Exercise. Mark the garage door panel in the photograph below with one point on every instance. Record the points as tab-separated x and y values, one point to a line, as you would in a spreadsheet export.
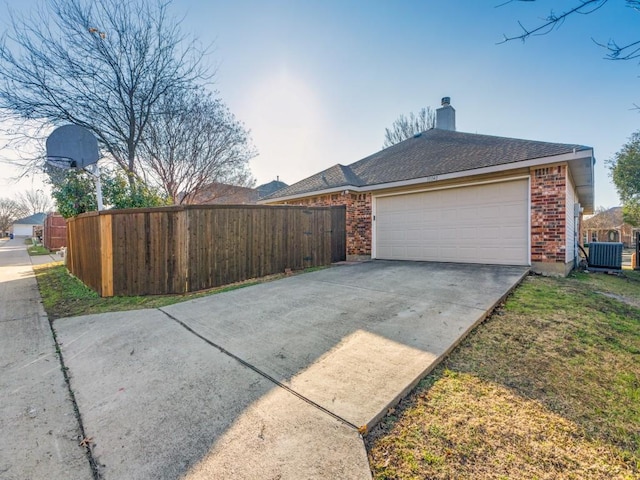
398	237
488	235
511	233
399	252
385	238
468	241
448	235
478	224
431	216
414	251
467	253
490	253
506	256
511	211
467	214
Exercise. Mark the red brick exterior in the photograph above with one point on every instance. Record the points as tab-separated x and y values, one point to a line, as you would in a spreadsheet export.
358	217
548	214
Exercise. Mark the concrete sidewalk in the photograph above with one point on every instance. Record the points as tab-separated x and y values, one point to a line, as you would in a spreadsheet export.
38	428
270	381
44	259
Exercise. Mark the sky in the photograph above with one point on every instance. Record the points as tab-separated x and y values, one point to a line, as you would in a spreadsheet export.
317	82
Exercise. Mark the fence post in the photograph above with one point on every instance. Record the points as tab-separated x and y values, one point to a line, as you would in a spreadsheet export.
68	258
106	255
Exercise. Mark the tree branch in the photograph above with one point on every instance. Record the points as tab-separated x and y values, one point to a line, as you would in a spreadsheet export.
553	21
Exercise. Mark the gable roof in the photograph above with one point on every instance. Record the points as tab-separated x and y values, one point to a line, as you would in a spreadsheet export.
35	219
224	194
430	153
267	189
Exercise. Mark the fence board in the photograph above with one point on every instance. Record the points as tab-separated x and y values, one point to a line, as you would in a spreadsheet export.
183	249
83	238
54	232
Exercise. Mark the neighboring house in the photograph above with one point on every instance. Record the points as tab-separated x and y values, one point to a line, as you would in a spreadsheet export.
270	188
450	196
29	226
608	226
220	193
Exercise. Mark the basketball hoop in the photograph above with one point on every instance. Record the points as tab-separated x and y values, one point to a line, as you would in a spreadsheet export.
73	146
61	162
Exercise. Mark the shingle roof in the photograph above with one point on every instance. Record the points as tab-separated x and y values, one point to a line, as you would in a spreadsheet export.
36	219
434	152
224	194
267	189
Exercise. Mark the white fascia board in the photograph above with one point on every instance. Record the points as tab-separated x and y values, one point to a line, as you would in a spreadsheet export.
315	193
567	157
426	188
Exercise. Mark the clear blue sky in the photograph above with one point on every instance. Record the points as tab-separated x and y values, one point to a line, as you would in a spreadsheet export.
317	82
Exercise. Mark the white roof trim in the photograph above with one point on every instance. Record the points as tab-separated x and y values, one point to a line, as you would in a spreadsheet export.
456	185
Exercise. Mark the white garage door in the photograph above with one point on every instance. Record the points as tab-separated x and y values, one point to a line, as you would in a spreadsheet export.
476	224
22	230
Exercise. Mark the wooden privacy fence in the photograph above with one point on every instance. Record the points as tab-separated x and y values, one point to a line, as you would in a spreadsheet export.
54	232
183	249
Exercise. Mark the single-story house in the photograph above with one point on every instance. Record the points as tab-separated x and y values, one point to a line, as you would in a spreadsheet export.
450	196
29	226
608	226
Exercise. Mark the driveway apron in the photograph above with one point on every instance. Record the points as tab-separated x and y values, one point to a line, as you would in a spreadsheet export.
274	380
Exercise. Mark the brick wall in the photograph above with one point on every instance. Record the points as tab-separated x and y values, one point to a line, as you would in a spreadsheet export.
548	214
358	217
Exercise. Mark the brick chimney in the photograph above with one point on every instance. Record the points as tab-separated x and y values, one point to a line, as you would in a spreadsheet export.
446	115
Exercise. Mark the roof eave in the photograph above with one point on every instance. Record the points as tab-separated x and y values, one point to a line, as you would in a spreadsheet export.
582	172
312	193
587	190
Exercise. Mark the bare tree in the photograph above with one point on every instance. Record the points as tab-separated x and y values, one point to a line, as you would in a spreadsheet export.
10	211
101	64
195	142
406	127
604	219
35	201
554	20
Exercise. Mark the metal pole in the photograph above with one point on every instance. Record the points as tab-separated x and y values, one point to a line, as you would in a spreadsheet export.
96	174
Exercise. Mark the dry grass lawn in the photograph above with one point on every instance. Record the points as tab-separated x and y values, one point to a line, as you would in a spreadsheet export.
63	295
547	388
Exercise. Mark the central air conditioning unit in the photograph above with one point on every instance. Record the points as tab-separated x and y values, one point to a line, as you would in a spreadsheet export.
605	256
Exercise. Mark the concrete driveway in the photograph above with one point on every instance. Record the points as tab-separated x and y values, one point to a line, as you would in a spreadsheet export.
270	381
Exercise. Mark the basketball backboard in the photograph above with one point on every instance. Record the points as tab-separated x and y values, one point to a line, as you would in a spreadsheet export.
72	146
